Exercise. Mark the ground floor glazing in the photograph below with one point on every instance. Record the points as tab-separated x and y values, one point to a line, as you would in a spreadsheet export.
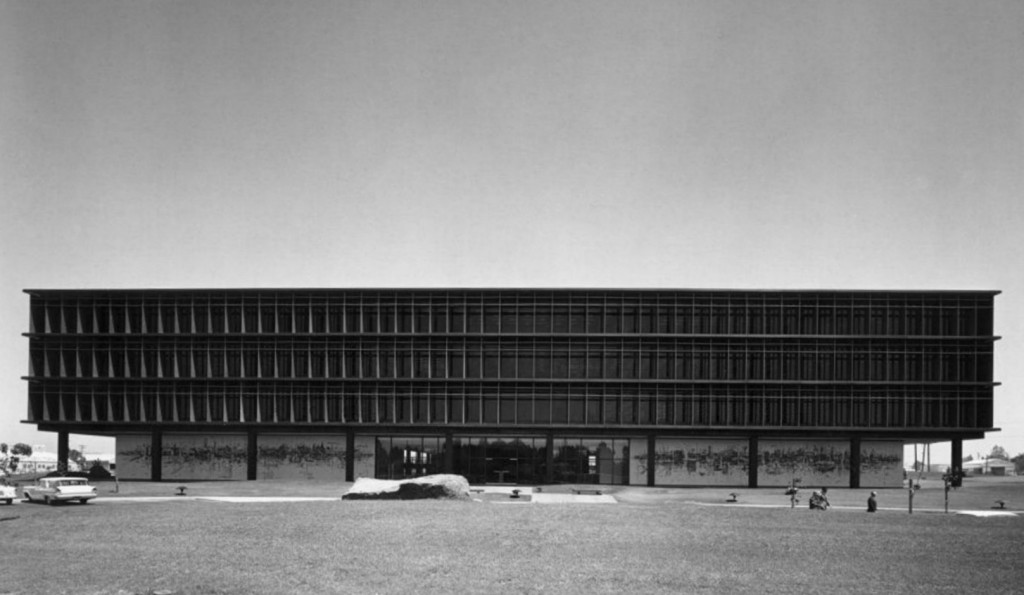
505	459
519	459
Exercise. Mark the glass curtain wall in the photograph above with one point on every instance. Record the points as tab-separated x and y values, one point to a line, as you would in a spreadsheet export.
402	457
591	461
500	460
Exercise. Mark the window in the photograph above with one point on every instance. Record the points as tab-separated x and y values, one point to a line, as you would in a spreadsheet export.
508	320
458	320
268	317
508	364
319	320
234	319
301	318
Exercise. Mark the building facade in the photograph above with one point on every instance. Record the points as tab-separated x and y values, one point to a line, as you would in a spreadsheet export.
642	387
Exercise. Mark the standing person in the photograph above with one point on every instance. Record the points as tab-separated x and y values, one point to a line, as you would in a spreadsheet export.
872	503
819	499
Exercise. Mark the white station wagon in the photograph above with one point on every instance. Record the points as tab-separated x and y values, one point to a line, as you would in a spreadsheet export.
56	489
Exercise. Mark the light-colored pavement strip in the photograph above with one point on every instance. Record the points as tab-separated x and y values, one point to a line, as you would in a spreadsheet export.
534	497
573	499
979	513
241	499
987	513
246	499
105	500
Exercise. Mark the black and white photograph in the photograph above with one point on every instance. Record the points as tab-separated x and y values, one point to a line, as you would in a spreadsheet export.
490	296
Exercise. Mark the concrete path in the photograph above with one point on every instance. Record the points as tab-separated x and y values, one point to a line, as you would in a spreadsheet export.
978	513
242	499
534	497
573	499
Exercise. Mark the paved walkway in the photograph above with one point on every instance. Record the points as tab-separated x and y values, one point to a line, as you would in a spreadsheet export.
540	497
214	499
534	497
574	499
978	513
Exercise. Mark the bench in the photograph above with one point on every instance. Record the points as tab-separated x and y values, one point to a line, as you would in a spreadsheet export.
581	491
181	490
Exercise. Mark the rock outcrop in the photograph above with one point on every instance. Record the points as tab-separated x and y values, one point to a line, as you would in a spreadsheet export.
441	487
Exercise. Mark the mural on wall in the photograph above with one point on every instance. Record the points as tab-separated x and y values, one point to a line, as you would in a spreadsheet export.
185	456
195	457
302	457
817	463
364	466
881	464
204	457
697	462
133	456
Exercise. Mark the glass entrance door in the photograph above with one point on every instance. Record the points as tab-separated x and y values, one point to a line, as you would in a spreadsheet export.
500	459
503	470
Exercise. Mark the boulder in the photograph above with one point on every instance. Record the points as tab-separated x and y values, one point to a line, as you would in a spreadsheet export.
442	487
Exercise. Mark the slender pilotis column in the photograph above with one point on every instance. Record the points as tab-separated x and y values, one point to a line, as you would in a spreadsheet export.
63	451
156	456
350	455
854	463
651	442
252	455
752	457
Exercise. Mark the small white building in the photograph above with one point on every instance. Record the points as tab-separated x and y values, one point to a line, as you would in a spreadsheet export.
41	461
989	467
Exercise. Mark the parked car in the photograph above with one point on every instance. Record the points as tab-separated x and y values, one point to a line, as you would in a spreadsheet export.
8	493
55	489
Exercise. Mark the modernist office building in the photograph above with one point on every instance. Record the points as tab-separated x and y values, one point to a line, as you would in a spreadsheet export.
647	387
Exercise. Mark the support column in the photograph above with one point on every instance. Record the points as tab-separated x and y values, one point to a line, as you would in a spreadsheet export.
63	451
251	456
350	455
156	460
752	460
650	460
854	463
956	461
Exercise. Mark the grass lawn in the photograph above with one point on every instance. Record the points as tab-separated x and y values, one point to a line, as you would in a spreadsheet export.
653	541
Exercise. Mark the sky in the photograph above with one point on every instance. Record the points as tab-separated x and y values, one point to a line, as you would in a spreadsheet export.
694	144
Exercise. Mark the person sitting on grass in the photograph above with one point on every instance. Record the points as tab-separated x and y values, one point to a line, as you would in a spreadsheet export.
819	499
872	503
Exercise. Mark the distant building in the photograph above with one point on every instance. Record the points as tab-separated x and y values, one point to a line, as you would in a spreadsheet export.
41	462
989	467
612	386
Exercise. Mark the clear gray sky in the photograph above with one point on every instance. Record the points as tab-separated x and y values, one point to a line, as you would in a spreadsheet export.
703	143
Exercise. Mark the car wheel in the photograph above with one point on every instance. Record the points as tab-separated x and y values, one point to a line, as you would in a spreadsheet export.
83	501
